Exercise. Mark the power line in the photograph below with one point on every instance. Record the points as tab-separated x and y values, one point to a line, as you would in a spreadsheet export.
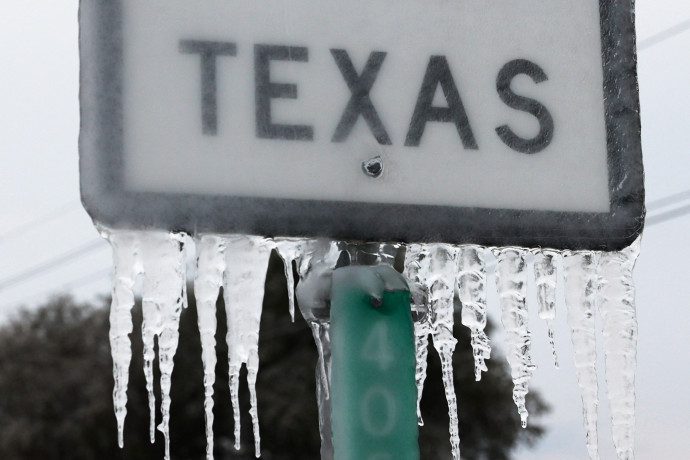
52	263
88	279
84	280
74	284
668	215
668	200
37	222
663	36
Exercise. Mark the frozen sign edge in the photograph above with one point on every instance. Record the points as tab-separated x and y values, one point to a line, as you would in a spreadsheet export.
109	204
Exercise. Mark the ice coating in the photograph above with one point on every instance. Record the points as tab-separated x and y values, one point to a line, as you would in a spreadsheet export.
471	288
246	261
315	268
375	280
434	271
545	279
619	324
372	253
581	285
209	279
511	282
127	266
434	267
163	297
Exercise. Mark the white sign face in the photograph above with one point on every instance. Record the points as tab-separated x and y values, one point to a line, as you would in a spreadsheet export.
477	104
294	55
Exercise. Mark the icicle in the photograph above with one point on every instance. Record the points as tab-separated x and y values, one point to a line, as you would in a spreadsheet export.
511	281
545	277
430	270
471	283
421	332
246	261
617	308
315	267
580	298
127	267
322	338
209	278
164	297
150	326
416	269
321	331
289	250
441	285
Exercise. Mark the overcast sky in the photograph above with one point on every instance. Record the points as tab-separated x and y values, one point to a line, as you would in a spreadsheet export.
42	222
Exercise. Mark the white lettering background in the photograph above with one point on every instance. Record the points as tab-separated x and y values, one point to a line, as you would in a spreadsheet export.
165	150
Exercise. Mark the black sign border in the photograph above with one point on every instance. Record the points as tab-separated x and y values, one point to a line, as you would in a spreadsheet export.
110	205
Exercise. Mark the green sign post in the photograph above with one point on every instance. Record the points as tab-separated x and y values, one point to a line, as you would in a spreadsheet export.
373	392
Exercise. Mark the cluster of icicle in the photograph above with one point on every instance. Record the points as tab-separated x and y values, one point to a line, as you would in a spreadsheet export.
603	281
238	264
160	259
437	274
594	281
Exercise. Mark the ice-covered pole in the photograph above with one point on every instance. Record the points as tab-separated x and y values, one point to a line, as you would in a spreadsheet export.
315	267
373	382
316	260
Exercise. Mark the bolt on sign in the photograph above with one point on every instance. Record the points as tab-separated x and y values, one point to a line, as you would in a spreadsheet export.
511	122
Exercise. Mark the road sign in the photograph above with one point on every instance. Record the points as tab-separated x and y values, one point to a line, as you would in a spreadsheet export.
511	122
373	390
